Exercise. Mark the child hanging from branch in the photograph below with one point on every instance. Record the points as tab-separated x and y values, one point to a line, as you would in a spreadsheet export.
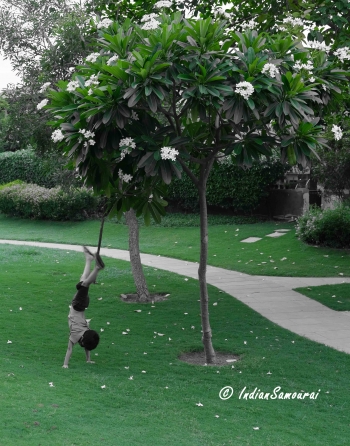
78	325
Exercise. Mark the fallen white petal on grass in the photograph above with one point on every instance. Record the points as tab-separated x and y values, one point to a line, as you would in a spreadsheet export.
131	377
160	334
102	329
143	371
103	387
51	385
199	404
193	327
256	428
126	367
20	308
244	342
186	279
124	333
169	339
100	298
341	274
9	342
137	311
216	416
127	329
231	360
108	323
185	313
283	258
268	373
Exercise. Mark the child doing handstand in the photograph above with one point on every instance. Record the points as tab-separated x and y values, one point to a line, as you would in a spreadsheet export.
78	325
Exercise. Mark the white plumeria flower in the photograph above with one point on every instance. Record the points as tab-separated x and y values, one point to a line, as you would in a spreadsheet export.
342	54
152	24
103	387
51	385
245	89
163	4
57	135
72	86
104	23
131	377
93	80
92	57
314	44
338	133
112	59
44	87
199	404
129	142
86	133
252	24
90	92
168	153
148	17
9	342
42	104
270	69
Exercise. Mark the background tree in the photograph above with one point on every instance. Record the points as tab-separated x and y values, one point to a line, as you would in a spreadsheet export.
220	94
332	169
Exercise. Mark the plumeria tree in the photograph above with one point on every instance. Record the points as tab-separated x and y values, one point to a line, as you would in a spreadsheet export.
172	95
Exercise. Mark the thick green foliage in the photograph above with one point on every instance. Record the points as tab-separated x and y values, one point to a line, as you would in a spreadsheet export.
26	166
326	228
230	187
32	201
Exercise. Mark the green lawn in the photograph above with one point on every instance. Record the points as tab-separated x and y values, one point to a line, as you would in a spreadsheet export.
225	250
336	297
158	407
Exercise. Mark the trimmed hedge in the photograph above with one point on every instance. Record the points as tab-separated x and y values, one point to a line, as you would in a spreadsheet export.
36	202
24	165
230	187
330	227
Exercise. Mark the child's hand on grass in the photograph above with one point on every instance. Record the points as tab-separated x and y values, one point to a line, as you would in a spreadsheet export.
64	366
90	362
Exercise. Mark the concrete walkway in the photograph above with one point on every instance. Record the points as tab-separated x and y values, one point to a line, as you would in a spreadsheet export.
272	297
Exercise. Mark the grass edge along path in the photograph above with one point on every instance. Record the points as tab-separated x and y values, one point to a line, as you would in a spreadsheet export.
335	296
172	403
283	256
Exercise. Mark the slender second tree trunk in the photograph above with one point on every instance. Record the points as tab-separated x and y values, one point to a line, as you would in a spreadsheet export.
135	258
202	270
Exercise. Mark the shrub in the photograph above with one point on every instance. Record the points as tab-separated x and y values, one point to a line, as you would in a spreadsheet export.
230	187
26	166
33	201
330	227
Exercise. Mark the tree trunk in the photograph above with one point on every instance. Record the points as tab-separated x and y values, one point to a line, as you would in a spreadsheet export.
135	259
202	270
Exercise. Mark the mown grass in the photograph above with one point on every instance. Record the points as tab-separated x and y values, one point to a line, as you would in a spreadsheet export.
225	248
336	297
158	407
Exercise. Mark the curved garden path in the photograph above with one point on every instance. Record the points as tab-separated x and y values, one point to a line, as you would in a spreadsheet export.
272	297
